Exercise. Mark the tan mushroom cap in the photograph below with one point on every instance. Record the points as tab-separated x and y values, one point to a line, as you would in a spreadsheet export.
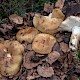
57	13
43	43
46	24
27	34
10	57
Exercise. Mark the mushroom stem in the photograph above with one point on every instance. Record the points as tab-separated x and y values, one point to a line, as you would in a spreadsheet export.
8	55
72	24
74	41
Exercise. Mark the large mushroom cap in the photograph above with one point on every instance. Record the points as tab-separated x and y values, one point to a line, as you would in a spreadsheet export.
10	57
27	34
49	24
43	43
46	24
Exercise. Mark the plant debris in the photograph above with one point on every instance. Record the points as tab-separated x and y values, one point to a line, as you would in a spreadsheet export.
45	71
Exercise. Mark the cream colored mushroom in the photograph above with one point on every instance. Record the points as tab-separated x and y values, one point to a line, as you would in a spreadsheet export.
48	24
69	23
75	38
72	24
43	43
27	34
10	57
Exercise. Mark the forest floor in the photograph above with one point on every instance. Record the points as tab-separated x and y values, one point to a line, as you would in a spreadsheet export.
66	67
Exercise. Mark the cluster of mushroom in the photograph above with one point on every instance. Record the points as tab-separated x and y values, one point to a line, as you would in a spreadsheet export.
42	43
41	35
54	23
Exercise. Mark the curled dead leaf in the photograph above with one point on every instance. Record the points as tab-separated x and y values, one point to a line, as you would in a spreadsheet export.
52	57
27	62
45	71
16	19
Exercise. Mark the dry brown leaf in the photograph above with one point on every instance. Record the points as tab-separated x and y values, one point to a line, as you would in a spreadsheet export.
60	4
16	19
52	57
27	60
74	77
64	47
29	47
48	8
5	27
45	71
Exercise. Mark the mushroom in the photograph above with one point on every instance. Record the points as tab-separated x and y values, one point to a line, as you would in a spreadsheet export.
43	43
26	34
10	57
69	23
72	24
75	37
16	19
57	13
48	24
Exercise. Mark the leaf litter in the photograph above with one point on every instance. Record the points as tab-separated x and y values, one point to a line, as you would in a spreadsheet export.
64	67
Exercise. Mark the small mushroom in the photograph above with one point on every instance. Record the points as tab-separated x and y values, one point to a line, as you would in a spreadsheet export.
48	24
16	19
26	34
10	57
43	43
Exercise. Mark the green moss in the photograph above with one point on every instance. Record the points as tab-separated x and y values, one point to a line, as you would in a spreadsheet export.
19	7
